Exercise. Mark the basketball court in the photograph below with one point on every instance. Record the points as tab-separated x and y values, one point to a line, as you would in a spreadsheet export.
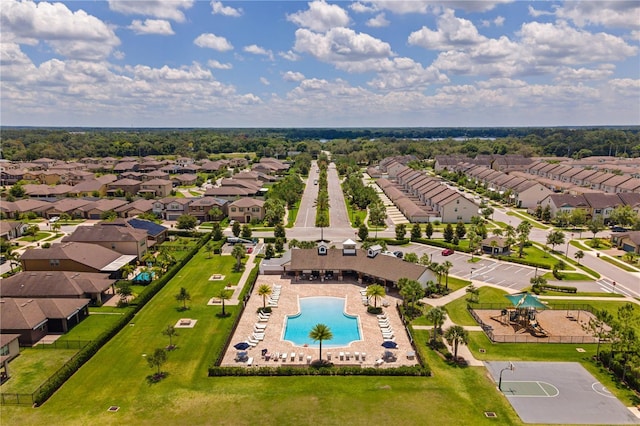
558	393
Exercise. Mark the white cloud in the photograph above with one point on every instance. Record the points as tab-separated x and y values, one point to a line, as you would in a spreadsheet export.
219	9
257	50
157	8
405	74
151	26
378	21
499	21
264	81
424	6
340	45
561	44
360	7
626	87
75	35
320	16
213	41
212	63
292	76
452	32
623	14
567	74
289	55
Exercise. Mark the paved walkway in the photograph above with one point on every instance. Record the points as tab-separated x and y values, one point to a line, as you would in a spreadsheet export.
248	267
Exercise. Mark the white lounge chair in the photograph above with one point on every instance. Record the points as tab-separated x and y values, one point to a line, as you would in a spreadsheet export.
284	356
260	319
341	356
250	361
379	362
383	316
261	326
308	359
300	356
329	356
364	356
293	356
347	355
356	356
252	342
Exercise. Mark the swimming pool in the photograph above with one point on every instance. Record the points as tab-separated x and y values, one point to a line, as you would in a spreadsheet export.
144	277
326	310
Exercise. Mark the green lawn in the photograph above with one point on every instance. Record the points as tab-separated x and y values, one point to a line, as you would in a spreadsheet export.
568	276
619	264
92	326
527	217
39	236
32	368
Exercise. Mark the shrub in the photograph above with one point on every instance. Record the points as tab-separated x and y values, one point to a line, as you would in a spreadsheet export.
376	310
320	371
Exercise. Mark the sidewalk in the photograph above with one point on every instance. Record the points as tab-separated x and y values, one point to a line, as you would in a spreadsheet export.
248	267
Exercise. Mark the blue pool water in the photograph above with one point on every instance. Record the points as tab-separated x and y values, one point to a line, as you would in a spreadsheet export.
144	277
326	310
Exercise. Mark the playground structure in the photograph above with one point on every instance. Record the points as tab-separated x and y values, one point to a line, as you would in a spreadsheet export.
523	316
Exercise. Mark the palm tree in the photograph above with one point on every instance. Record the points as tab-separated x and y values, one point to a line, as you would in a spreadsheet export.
238	253
377	292
411	291
579	255
446	266
264	290
224	294
127	270
437	316
455	336
320	332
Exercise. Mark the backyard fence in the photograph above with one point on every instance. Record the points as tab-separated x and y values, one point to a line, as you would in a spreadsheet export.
10	398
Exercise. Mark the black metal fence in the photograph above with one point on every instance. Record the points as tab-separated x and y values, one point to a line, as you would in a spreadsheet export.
527	338
9	398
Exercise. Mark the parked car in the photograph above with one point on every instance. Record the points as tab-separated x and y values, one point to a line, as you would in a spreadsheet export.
3	260
398	254
250	250
447	252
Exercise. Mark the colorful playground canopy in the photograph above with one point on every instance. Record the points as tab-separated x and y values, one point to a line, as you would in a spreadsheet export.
525	300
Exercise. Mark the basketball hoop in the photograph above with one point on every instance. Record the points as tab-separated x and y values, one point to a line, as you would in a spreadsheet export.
511	368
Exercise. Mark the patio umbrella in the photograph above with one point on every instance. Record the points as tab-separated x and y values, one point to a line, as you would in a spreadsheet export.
389	344
241	345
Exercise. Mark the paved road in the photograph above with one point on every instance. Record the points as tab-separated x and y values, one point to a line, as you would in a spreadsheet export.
307	212
338	216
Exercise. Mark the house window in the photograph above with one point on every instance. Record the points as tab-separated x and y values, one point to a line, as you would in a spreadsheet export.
54	262
4	351
233	209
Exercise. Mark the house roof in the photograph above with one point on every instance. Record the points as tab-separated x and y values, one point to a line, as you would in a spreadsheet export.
386	267
48	284
92	255
24	314
151	228
247	202
103	232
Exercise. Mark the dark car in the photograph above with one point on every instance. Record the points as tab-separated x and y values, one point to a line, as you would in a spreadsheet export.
447	252
398	254
3	260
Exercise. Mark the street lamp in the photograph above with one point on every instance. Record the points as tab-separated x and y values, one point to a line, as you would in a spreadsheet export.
510	367
471	275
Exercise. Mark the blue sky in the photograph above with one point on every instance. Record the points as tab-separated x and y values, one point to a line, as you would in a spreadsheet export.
390	63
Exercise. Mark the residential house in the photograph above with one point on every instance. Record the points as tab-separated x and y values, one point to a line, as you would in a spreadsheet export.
79	257
495	246
186	179
57	284
135	208
171	208
200	208
15	209
245	210
156	233
123	239
127	186
10	229
627	241
565	203
93	186
65	206
159	187
9	349
96	209
601	205
33	319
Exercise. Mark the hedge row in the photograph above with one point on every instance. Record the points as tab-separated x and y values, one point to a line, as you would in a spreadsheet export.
394	242
523	262
442	244
272	240
62	375
613	364
559	288
324	371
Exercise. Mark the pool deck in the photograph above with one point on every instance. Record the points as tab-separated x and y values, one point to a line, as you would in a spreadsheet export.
288	305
